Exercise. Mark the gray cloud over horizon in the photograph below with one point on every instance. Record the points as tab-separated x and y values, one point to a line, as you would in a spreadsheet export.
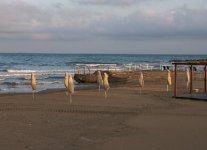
108	2
91	20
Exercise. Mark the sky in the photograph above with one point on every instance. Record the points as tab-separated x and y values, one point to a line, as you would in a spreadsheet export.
103	26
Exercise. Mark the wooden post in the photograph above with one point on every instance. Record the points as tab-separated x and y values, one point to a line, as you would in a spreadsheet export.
191	79
205	88
175	82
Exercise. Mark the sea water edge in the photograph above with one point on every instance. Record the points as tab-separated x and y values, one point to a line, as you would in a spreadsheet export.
15	69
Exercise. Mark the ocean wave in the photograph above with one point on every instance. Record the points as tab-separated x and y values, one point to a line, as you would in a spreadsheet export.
3	89
37	71
3	64
20	71
27	76
55	77
14	75
14	83
22	78
51	82
94	63
4	70
2	79
9	83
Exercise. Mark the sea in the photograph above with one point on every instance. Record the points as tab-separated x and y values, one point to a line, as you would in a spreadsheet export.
16	69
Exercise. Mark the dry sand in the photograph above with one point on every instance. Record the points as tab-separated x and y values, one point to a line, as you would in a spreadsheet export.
126	120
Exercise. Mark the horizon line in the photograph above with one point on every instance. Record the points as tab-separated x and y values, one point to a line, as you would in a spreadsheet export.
103	53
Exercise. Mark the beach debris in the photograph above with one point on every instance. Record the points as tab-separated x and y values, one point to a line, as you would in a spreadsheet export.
169	80
188	77
66	82
105	84
70	86
141	82
33	84
196	90
85	139
99	80
114	77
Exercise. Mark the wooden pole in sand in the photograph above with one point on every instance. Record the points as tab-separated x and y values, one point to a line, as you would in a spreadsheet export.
175	81
191	79
205	88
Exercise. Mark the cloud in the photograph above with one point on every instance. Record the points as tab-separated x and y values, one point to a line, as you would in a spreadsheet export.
181	22
16	17
58	5
62	22
33	22
107	2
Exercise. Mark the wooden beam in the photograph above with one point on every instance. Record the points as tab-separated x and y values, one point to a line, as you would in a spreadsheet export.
175	82
191	79
205	80
191	63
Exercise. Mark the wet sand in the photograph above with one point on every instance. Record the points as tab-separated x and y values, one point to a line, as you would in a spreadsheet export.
126	120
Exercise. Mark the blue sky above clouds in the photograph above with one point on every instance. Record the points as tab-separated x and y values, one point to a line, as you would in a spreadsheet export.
103	26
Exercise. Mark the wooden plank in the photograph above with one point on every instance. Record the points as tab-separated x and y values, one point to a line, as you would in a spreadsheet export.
191	63
175	82
205	88
191	79
193	96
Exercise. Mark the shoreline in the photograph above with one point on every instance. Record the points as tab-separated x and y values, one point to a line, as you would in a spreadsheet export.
89	86
154	81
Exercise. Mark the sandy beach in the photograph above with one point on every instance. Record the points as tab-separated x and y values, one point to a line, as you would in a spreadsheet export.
71	74
128	119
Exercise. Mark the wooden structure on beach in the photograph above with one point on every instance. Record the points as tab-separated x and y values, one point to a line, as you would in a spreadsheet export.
90	68
87	73
191	64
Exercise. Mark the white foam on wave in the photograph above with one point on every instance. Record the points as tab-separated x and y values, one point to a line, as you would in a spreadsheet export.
14	75
20	71
3	89
38	71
